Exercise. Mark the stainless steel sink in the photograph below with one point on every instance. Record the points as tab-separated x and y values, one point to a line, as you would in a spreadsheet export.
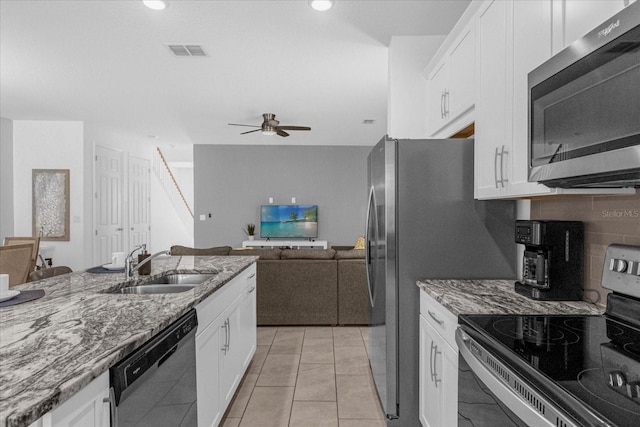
153	289
180	279
169	284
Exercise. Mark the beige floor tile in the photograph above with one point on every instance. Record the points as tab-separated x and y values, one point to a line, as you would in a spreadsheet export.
291	328
347	337
230	422
316	382
357	398
240	400
258	359
268	407
314	414
352	361
286	342
317	350
362	423
266	334
279	370
318	332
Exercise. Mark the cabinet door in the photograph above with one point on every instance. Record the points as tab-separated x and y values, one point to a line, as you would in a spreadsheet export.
437	84
207	361
446	368
531	34
248	323
492	103
86	408
581	16
430	407
460	95
229	370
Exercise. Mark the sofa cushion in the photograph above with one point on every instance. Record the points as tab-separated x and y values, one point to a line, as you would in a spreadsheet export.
185	250
270	254
350	254
308	254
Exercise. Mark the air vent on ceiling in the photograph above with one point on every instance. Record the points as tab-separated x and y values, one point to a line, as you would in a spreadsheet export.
187	50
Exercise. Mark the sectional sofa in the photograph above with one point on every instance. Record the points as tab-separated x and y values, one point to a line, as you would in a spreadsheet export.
305	286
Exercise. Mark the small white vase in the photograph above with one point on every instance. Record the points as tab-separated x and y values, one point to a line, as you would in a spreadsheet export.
250	237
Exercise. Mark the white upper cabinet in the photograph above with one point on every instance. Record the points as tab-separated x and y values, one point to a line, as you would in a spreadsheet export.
451	79
513	38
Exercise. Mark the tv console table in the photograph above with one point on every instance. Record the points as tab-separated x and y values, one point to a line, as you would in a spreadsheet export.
290	243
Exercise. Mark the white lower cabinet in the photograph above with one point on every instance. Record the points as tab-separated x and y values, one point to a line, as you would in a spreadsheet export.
225	345
86	408
438	383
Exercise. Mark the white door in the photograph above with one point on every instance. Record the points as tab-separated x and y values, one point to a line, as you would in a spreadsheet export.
139	201
108	235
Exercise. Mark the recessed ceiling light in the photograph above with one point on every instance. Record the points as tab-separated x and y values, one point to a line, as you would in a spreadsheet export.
155	4
152	136
321	5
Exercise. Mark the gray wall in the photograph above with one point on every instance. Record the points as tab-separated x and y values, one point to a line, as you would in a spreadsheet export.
231	182
6	178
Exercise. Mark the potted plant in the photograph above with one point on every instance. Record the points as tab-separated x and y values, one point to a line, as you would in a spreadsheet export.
250	231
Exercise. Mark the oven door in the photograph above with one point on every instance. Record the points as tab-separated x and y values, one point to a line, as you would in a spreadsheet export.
490	394
583	109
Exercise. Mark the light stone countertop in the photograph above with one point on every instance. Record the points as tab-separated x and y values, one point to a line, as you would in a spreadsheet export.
53	347
497	297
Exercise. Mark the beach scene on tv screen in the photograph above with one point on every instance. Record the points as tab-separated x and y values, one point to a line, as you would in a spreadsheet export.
289	221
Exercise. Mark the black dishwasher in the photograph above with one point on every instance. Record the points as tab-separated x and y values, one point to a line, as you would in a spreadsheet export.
156	384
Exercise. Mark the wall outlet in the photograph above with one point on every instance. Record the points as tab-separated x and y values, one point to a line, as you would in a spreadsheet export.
203	217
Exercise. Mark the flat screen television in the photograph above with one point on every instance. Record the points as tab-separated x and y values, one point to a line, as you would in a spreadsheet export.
289	221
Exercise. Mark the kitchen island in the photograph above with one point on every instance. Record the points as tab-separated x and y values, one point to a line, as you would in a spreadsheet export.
53	347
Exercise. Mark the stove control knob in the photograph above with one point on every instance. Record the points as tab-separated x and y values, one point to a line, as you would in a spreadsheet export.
621	265
617	379
634	390
633	268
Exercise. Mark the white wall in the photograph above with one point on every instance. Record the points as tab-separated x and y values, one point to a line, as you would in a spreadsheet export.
407	93
51	145
6	178
167	229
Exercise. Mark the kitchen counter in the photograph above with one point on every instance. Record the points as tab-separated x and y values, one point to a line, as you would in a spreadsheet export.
52	347
497	297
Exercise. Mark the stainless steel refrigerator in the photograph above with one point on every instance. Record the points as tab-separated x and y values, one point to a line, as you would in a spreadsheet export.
423	222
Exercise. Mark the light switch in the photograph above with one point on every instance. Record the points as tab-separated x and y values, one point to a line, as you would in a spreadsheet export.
293	200
203	217
270	200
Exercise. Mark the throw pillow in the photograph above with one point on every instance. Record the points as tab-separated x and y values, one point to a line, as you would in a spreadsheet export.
359	243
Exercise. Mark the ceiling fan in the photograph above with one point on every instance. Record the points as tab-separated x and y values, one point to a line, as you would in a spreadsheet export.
271	126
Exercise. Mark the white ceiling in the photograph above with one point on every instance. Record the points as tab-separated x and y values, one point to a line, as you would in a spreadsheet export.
106	63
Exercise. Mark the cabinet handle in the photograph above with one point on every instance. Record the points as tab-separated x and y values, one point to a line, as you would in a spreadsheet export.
251	290
434	375
495	167
225	347
442	105
119	229
431	361
433	316
229	328
252	276
446	103
502	178
111	400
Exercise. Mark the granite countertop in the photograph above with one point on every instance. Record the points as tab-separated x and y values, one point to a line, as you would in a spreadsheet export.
52	347
497	297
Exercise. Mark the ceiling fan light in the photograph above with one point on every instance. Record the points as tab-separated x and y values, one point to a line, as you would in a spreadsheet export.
155	4
268	131
321	5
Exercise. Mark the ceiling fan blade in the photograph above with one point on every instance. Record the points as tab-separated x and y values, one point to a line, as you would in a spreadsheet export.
249	131
294	127
236	124
281	132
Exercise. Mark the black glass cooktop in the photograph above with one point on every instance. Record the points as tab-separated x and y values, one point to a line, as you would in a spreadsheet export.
594	359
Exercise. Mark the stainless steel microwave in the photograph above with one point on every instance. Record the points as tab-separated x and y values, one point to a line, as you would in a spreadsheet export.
584	109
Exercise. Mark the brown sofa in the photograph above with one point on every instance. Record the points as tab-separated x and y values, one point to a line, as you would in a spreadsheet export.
305	286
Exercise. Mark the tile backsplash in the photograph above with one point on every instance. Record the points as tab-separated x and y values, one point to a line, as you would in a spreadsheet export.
607	219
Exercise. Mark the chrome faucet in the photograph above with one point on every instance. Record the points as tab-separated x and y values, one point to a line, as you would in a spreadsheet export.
129	269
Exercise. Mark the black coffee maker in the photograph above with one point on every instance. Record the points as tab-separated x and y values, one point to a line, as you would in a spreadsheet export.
553	263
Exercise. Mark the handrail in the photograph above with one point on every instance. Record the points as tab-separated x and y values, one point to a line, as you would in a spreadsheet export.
175	183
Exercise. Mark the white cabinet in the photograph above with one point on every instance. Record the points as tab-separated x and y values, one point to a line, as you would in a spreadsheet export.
513	38
450	84
438	376
225	344
87	408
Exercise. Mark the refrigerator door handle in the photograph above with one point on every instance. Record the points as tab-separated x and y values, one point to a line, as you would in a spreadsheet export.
367	239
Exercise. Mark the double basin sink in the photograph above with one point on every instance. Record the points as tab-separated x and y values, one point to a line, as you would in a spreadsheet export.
169	284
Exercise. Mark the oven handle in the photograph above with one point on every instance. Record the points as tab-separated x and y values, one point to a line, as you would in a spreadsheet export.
472	352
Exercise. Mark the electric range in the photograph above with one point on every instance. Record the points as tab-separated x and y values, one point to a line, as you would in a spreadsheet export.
557	370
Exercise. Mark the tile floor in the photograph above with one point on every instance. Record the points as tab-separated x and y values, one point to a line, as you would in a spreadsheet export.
307	376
